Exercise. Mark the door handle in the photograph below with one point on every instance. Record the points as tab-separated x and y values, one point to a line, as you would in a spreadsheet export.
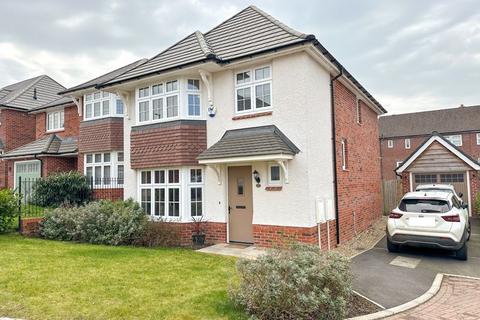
229	208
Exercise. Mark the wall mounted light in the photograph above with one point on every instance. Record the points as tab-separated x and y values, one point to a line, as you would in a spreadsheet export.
256	176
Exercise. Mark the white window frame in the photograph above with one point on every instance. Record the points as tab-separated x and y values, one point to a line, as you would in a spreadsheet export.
478	138
251	85
453	137
61	120
193	92
389	143
269	174
163	97
195	184
114	164
398	164
343	150
104	96
407	143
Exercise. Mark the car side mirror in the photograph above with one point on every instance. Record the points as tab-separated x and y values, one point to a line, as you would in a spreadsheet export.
460	195
464	206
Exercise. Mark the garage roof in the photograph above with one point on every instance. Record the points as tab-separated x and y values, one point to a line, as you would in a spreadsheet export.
48	145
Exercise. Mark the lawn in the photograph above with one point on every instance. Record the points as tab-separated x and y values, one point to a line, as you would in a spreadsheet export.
42	279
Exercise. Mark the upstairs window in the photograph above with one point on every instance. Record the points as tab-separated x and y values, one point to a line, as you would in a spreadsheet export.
478	139
390	144
358	112
253	90
55	120
455	139
193	97
101	105
344	154
407	143
158	102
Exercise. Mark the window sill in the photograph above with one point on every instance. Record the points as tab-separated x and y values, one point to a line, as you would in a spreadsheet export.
273	188
253	115
55	130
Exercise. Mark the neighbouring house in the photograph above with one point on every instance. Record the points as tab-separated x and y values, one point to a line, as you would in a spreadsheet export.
252	125
18	125
100	138
403	135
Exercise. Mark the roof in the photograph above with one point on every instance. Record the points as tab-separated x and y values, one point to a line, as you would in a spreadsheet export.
104	78
47	145
424	123
31	93
256	141
62	101
436	137
249	32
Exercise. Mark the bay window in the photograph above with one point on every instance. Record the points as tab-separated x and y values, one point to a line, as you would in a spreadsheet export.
173	193
55	120
159	102
253	93
105	169
102	105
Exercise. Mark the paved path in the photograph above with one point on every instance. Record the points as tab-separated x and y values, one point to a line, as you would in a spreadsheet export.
394	279
458	298
234	250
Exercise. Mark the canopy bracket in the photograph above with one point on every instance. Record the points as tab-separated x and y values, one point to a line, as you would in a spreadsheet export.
284	165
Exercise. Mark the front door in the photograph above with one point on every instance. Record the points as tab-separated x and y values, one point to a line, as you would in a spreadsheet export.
240	204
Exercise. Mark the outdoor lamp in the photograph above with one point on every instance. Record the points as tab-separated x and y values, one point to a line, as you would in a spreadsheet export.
256	176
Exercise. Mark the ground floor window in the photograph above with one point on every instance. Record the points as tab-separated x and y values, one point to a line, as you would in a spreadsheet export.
172	192
425	178
105	169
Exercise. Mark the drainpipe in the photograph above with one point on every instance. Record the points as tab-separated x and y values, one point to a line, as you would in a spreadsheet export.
41	164
334	152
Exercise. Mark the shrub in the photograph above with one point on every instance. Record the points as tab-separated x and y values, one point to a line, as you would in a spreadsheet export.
61	188
477	203
159	234
104	222
8	209
299	282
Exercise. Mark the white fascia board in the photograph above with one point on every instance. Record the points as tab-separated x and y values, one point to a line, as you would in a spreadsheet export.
273	157
444	143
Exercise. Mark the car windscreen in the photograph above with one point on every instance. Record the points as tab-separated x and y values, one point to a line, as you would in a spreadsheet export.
424	206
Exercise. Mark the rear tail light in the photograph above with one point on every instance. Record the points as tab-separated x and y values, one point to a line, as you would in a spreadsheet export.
452	218
395	215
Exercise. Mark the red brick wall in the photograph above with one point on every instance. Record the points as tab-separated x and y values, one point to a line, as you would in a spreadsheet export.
405	182
475	189
174	144
359	187
101	135
30	226
71	123
113	194
17	128
390	156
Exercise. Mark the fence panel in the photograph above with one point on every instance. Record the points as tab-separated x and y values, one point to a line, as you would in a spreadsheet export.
392	193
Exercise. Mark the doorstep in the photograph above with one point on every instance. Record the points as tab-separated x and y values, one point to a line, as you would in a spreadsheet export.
234	250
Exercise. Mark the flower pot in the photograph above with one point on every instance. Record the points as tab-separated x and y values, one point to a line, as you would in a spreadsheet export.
198	239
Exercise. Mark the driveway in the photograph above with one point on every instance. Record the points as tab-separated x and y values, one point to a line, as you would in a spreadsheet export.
393	279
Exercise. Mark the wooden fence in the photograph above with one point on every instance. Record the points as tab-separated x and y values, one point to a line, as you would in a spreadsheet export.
392	193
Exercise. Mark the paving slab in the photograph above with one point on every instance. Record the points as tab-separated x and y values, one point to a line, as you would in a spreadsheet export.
234	250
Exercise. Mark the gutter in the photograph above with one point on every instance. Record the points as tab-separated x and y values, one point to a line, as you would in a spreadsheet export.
334	151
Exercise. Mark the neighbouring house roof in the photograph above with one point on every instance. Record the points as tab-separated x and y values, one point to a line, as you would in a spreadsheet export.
104	78
436	137
31	93
250	32
47	145
62	101
248	142
424	123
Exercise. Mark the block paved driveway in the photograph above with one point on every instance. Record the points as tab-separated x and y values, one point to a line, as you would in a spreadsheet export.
458	298
393	279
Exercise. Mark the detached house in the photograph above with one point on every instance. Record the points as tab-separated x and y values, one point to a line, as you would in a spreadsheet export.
252	125
31	125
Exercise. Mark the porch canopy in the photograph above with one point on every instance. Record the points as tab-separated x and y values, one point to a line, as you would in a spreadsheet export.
266	143
51	145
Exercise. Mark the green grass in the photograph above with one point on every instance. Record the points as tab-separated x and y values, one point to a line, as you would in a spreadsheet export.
42	279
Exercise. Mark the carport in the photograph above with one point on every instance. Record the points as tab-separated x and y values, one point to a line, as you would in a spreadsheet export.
437	160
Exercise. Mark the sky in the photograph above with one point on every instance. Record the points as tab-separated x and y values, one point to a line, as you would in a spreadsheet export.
411	55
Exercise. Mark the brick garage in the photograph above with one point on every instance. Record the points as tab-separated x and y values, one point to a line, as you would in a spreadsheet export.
359	186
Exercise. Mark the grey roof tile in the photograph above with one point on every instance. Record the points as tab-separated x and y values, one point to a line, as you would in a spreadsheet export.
104	78
21	95
256	141
47	145
62	101
424	123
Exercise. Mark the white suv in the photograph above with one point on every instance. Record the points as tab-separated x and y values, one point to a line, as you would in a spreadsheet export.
429	219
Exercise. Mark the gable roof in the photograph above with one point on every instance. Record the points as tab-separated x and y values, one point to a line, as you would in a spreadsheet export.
249	32
47	145
247	142
436	137
103	78
20	95
423	123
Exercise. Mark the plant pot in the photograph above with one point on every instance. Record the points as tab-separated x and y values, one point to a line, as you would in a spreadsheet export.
198	239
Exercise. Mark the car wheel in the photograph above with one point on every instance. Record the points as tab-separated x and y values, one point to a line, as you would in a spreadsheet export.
462	253
392	247
469	230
